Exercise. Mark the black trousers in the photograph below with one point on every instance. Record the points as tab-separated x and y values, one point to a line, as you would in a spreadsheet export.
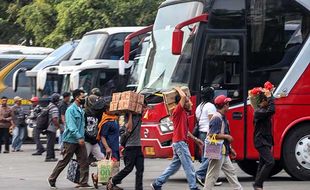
50	145
37	140
133	157
5	138
266	163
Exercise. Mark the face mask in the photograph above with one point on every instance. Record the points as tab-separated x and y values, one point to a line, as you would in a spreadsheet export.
82	101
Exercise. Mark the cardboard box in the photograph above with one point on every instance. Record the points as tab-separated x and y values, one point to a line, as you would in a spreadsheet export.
129	95
140	99
170	108
139	108
124	105
169	97
113	106
116	97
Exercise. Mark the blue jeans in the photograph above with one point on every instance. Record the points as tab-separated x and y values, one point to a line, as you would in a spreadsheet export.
181	156
202	171
18	137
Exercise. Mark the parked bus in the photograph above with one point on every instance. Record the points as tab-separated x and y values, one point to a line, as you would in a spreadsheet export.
31	56
95	62
44	75
232	46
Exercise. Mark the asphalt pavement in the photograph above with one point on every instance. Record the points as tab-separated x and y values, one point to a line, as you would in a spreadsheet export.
22	171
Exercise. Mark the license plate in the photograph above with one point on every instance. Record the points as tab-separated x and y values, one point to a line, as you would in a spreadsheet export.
149	151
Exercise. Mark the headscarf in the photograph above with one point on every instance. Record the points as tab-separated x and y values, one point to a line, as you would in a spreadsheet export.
105	118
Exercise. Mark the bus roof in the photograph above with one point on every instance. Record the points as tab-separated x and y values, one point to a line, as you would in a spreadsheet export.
8	49
115	30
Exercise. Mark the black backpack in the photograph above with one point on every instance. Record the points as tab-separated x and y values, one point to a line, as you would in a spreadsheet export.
43	118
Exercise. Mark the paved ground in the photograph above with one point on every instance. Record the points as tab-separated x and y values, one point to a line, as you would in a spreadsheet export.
20	170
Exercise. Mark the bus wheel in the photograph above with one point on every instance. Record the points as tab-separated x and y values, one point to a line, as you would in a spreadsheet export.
296	153
250	167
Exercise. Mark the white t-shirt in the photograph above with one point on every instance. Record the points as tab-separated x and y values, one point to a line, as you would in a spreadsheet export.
207	109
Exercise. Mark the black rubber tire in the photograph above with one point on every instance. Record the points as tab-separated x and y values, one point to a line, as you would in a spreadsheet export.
250	167
291	165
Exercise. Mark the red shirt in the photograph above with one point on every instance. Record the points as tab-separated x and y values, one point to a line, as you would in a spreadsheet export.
180	123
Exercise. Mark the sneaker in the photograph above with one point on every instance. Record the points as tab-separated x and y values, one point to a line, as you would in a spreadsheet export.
218	183
51	184
84	186
19	150
200	181
37	154
155	187
6	152
256	187
51	159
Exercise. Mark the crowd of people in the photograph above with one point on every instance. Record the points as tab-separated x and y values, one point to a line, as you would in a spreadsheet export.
88	128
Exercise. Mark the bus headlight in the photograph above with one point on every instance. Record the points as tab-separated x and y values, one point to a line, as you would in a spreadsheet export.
166	125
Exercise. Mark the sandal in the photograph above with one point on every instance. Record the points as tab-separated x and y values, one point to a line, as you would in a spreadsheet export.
95	180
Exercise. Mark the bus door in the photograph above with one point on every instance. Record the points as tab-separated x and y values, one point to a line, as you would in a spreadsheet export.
223	68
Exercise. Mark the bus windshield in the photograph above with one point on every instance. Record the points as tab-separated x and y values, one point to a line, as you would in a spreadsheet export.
89	47
161	63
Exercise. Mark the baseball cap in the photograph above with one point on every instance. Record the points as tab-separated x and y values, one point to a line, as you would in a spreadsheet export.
221	100
34	99
16	98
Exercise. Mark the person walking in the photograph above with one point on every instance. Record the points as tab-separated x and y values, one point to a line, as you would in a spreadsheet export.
204	113
181	154
32	122
63	108
74	142
92	118
5	124
53	126
19	127
263	139
133	156
219	126
108	136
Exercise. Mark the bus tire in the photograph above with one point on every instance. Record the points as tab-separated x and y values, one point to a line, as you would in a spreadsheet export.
250	167
296	152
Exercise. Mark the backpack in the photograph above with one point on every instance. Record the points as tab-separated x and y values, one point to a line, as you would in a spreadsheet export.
43	118
91	129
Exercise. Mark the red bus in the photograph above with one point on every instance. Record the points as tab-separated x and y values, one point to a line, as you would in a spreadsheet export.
233	46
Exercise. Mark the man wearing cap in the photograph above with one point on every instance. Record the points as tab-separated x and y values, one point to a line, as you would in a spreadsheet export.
31	121
19	129
53	117
5	123
219	126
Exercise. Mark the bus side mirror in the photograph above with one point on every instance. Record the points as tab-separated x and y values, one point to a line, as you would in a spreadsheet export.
177	36
177	41
41	79
127	44
15	78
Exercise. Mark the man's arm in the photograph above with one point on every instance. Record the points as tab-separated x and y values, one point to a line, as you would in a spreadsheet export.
129	123
182	96
71	125
196	140
261	113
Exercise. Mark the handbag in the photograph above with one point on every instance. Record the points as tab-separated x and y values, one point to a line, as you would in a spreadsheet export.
125	135
107	168
196	128
213	148
73	173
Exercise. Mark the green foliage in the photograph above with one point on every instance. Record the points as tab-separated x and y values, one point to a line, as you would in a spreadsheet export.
51	22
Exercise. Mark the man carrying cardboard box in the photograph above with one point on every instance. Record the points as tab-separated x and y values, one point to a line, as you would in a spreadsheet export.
181	152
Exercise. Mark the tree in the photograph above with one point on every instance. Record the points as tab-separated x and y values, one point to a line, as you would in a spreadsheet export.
38	19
